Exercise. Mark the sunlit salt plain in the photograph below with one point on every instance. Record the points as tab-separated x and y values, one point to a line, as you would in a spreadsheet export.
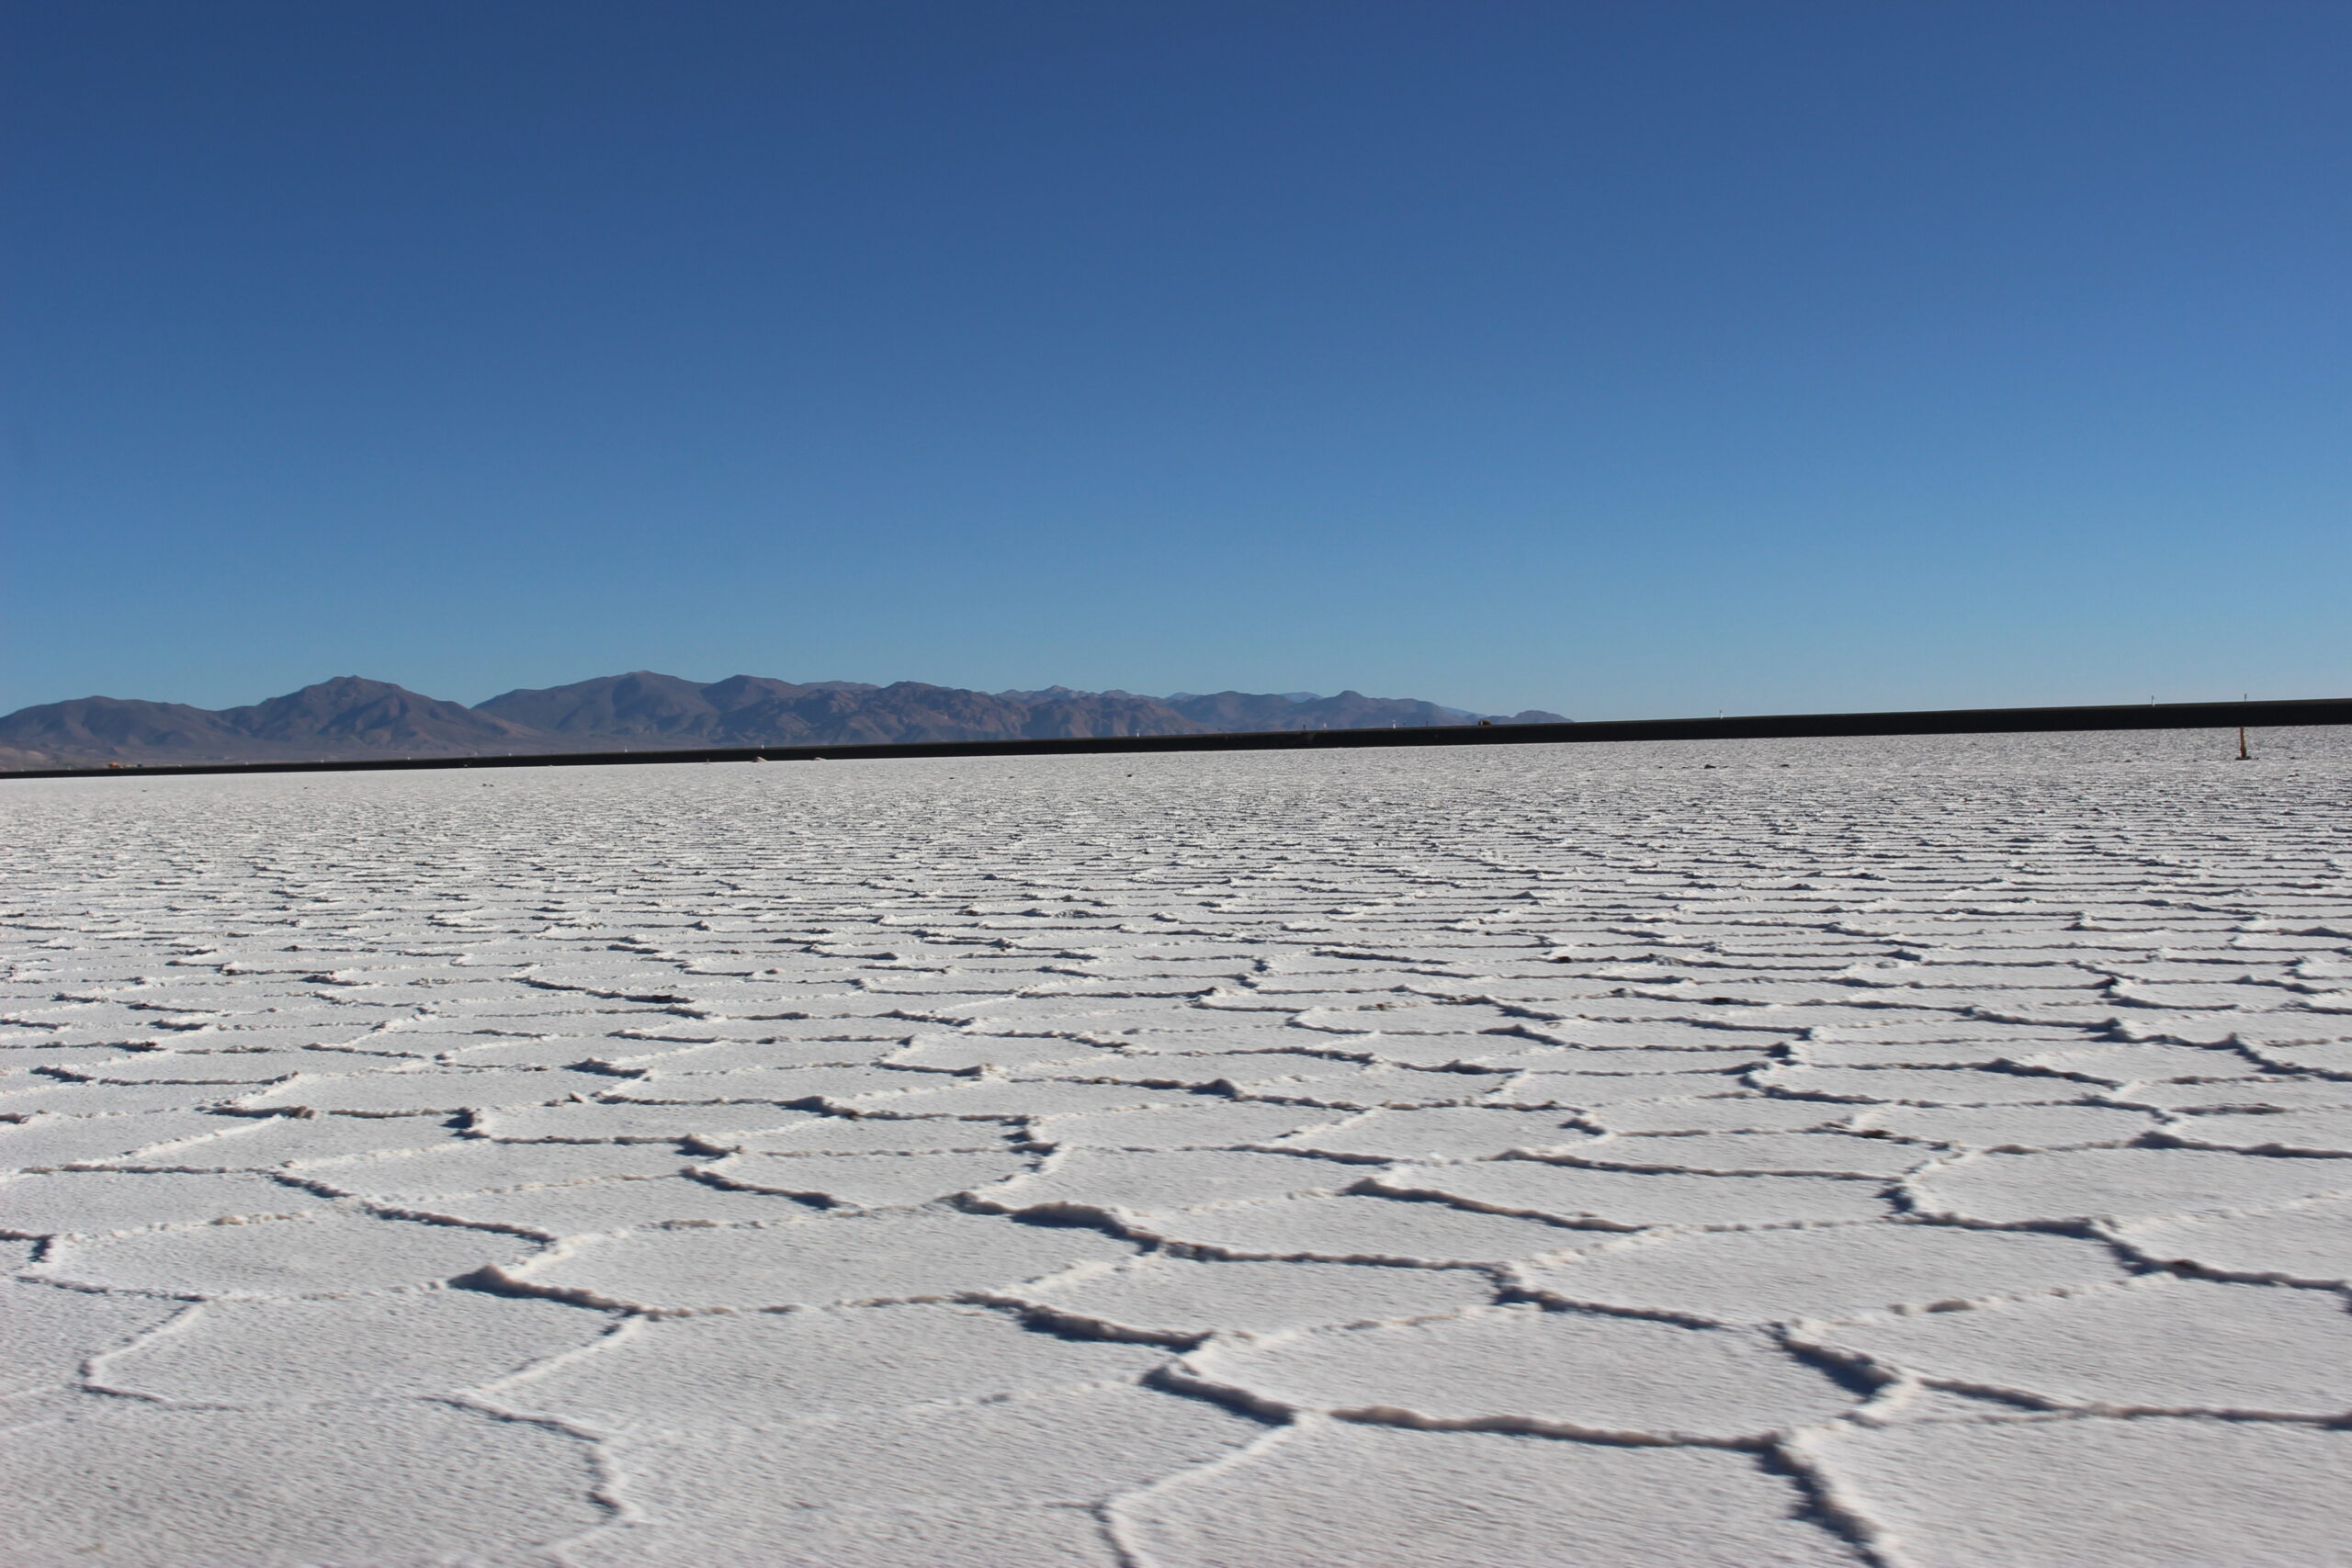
1913	1152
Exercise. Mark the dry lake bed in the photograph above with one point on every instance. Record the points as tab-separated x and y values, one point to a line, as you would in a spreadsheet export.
1931	1153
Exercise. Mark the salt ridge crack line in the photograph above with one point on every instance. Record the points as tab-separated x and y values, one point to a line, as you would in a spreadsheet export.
1858	1151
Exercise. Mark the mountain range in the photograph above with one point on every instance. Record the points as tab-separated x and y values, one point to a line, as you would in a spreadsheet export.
349	718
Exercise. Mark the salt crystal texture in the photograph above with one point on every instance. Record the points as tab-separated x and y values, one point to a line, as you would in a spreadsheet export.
1769	1276
2159	1345
2154	1494
1576	1373
1910	1152
714	1374
1380	1498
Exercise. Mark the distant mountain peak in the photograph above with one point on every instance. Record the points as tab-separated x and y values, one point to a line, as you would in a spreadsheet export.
1047	695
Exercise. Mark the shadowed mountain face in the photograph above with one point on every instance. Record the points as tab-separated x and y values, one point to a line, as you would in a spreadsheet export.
109	728
376	716
644	709
349	719
334	720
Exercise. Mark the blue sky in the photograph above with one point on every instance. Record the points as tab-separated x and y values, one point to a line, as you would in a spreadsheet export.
1625	359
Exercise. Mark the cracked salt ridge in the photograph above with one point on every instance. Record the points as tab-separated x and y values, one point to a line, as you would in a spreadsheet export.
1324	1491
1453	975
2154	1347
2154	1493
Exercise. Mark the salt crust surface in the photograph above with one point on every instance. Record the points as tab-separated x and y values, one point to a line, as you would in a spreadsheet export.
1908	1152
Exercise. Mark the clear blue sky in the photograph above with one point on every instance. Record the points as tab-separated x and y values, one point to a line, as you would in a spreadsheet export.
1627	358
